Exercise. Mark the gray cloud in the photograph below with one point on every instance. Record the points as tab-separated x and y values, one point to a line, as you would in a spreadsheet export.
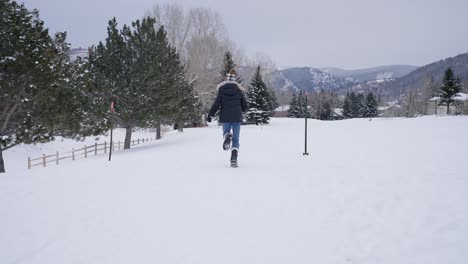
342	33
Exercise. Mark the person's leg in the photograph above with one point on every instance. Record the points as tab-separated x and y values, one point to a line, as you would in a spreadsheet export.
227	135
226	129
236	135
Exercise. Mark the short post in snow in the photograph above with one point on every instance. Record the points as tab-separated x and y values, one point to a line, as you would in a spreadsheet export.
305	134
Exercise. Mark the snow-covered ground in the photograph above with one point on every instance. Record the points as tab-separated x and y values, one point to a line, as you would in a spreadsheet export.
381	191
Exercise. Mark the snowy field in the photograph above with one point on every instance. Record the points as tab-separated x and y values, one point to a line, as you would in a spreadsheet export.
390	191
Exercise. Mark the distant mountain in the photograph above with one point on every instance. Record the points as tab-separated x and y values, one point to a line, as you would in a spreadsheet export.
78	52
371	74
305	78
418	79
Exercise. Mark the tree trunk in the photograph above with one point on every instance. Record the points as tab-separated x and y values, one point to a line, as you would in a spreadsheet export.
2	163
128	137
205	123
448	108
158	131
180	126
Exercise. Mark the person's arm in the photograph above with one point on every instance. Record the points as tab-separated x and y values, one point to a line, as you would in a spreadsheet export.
244	105
216	104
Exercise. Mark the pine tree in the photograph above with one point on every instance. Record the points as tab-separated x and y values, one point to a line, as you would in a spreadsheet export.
293	110
357	104
84	113
142	73
323	103
370	106
450	88
273	101
326	110
302	106
347	110
228	66
33	76
178	101
360	105
259	100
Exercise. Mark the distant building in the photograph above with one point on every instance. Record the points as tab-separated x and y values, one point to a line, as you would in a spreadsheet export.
460	107
78	52
281	111
390	109
337	114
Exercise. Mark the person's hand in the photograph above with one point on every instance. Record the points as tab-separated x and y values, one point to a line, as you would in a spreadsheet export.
208	119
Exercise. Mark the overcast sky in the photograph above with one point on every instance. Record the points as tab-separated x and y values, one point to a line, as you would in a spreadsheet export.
342	33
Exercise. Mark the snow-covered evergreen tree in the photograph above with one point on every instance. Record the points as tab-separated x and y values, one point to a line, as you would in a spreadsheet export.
360	105
323	103
357	105
293	110
354	105
303	105
84	113
370	106
259	100
35	84
347	111
143	74
183	106
112	63
298	107
273	100
228	66
450	88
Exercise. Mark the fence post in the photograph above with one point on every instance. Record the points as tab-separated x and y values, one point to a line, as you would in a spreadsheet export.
44	160
95	148
85	151
29	163
119	144
73	154
133	142
57	158
138	141
105	147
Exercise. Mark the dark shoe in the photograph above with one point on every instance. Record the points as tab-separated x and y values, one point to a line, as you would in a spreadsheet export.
227	141
234	158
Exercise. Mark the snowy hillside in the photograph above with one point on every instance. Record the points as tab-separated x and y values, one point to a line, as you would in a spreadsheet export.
371	74
418	79
304	79
384	191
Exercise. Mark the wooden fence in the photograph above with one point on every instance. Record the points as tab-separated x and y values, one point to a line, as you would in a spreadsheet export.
86	151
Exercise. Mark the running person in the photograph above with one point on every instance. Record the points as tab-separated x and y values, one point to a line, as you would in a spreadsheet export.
231	100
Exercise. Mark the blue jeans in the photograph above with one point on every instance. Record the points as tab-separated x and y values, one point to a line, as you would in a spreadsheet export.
235	132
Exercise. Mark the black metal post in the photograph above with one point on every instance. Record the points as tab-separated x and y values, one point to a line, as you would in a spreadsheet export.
112	130
111	141
305	134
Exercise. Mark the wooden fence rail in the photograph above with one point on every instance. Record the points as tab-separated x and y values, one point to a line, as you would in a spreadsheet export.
86	151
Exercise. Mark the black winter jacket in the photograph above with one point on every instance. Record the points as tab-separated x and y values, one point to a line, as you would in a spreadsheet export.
232	102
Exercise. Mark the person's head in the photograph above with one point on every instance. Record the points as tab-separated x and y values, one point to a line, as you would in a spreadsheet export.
231	75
